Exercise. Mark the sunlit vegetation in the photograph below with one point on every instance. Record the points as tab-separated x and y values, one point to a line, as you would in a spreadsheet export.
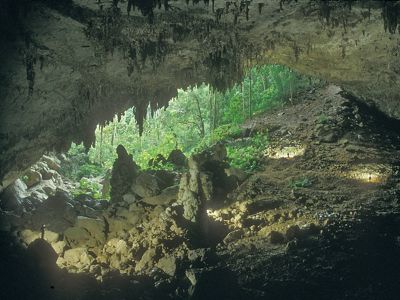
197	118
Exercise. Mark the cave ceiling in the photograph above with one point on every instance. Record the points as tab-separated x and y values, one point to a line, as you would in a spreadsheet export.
68	65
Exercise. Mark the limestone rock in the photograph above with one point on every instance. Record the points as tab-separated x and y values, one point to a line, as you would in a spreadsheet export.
78	236
95	227
32	178
166	197
146	185
124	173
168	265
233	236
13	196
147	260
52	162
177	158
59	247
276	237
78	258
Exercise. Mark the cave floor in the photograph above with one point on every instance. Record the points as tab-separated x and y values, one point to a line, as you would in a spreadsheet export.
319	220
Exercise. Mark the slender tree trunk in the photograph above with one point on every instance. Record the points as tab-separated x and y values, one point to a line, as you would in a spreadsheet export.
215	112
114	132
101	145
210	110
250	112
243	102
202	131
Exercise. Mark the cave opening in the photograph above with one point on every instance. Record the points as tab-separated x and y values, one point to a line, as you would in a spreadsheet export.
199	149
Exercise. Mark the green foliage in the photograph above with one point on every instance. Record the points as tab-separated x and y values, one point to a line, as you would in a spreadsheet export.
196	119
247	154
25	178
302	182
79	165
323	119
88	187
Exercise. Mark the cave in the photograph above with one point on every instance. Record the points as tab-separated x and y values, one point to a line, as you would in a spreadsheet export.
185	149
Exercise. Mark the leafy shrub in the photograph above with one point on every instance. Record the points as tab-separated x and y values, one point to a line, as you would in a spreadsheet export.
248	153
88	187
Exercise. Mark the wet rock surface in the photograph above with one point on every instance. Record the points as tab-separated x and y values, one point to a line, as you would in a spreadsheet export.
320	221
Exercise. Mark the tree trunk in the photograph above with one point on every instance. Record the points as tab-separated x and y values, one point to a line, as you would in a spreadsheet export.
201	127
250	112
101	146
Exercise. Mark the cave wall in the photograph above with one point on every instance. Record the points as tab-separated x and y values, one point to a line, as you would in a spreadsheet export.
69	65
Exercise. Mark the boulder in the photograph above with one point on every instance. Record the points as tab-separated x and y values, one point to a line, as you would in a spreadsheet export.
167	196
168	265
52	162
190	200
129	198
165	178
32	177
78	258
59	247
146	185
78	236
147	260
276	237
95	227
293	232
13	196
233	236
177	158
124	173
28	236
42	254
132	217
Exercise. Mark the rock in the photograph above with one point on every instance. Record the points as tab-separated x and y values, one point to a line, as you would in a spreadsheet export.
78	236
58	202
177	158
197	255
237	173
59	247
218	152
147	260
28	236
167	196
47	186
276	237
123	174
233	236
165	178
42	254
117	226
52	162
190	200
13	196
78	258
263	205
146	185
38	196
129	198
32	177
293	232
168	265
95	227
132	217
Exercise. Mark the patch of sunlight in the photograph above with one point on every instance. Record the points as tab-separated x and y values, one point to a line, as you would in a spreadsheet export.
287	152
373	173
